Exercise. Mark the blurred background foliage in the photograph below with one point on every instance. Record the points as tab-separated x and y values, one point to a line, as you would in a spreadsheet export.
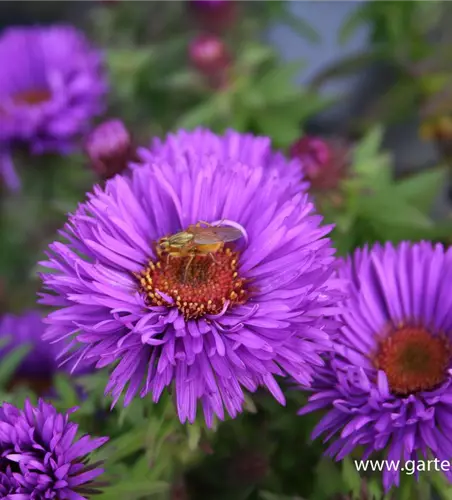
181	65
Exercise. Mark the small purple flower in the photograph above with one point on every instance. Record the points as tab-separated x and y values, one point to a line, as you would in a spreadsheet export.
51	86
109	148
254	151
214	324
40	365
40	457
388	386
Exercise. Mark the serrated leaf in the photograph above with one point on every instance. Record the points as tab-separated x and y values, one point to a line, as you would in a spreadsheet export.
421	189
10	363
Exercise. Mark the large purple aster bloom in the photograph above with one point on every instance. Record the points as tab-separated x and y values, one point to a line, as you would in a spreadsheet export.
245	148
389	387
51	86
252	310
40	365
40	457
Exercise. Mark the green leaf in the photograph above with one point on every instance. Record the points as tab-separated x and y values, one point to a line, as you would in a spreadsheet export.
369	146
345	66
334	485
134	412
134	490
421	189
194	435
350	475
277	85
205	113
351	24
374	488
278	127
441	484
9	364
300	26
255	54
65	388
127	61
387	209
123	446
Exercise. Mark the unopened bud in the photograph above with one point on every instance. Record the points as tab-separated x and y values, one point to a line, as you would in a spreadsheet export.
209	54
109	148
214	15
324	161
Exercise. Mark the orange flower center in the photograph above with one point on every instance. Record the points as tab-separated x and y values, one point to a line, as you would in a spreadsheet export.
196	286
413	360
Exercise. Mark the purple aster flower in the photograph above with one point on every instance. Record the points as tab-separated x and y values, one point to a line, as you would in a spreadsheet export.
254	151
51	86
388	386
40	365
225	318
40	457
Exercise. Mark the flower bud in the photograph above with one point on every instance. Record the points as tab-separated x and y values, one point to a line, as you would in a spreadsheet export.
324	161
209	54
109	148
214	15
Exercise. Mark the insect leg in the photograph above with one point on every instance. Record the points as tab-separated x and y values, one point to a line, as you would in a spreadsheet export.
208	224
192	256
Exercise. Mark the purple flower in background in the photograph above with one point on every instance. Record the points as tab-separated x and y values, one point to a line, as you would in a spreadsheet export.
51	86
40	365
388	385
254	151
40	457
213	325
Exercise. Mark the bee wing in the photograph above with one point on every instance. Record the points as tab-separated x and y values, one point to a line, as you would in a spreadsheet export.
216	235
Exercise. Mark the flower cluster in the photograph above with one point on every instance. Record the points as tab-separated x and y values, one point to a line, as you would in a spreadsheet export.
201	266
